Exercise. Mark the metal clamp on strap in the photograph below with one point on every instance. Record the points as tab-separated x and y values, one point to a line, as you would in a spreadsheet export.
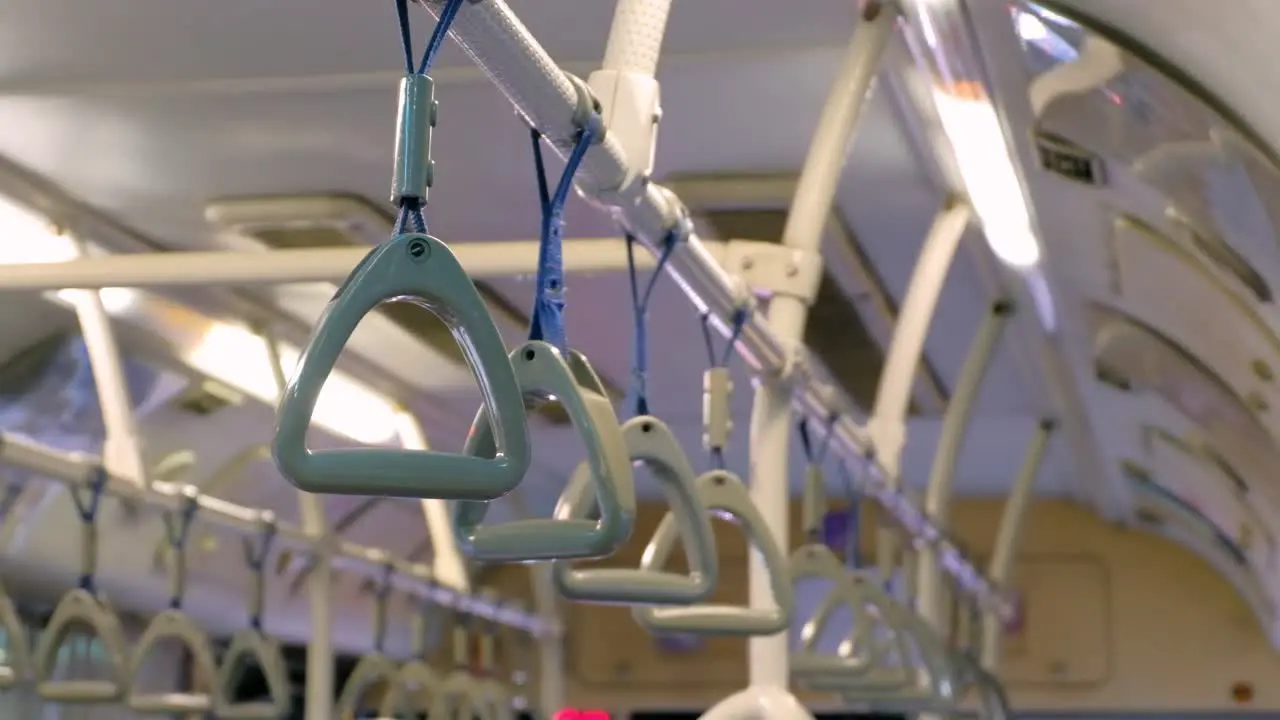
774	269
717	417
414	170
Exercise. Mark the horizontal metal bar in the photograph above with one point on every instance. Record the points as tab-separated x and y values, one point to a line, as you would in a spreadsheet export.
78	469
174	269
492	35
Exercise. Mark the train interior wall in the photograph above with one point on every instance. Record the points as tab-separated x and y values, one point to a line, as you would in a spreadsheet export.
1113	620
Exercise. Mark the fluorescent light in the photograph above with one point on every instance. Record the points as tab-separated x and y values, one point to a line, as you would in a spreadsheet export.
115	300
1030	27
1033	31
989	176
239	357
228	353
25	237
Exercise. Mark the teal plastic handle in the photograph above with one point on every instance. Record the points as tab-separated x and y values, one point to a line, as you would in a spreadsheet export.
415	688
651	443
168	626
420	269
991	694
542	373
494	698
890	645
721	491
458	699
82	609
372	671
817	561
250	647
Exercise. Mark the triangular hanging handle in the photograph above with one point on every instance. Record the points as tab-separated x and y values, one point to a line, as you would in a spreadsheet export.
722	491
874	656
420	269
247	648
991	694
17	652
80	608
371	671
458	698
650	442
816	561
494	698
542	374
414	681
174	625
889	642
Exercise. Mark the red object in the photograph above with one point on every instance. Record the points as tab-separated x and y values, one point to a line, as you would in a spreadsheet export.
576	714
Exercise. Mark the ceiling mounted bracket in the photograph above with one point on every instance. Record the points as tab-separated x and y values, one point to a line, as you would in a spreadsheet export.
772	269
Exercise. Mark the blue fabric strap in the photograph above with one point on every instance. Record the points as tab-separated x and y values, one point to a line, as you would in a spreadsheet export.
87	509
736	324
638	397
547	321
177	528
816	452
255	556
410	216
853	518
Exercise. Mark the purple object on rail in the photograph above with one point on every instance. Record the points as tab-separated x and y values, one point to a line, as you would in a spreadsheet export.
835	529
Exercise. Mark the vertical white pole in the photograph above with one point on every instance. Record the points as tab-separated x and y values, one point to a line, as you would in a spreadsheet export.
635	38
931	601
551	660
320	694
629	95
550	656
771	413
1008	535
888	424
121	449
448	567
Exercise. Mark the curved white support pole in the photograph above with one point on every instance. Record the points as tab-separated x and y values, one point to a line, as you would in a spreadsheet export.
771	425
1008	535
549	605
625	85
887	425
931	602
320	694
758	703
1097	64
491	34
